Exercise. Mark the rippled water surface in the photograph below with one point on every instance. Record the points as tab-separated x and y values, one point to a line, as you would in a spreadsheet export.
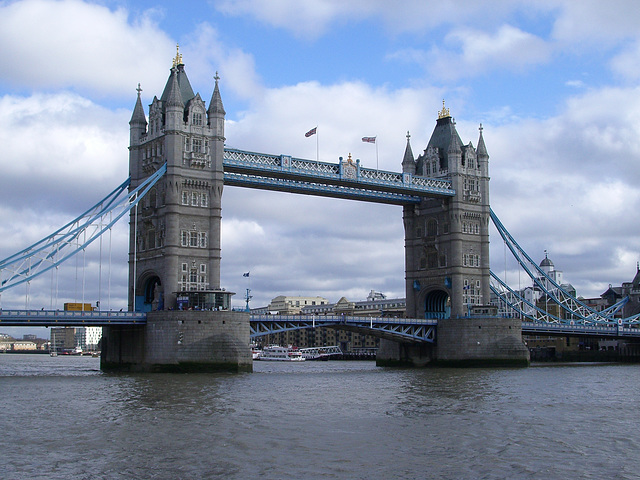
62	417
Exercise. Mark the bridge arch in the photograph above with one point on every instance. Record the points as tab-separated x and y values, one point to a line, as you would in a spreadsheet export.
437	304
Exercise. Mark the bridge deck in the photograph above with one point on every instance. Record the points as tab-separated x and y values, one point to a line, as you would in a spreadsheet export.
64	318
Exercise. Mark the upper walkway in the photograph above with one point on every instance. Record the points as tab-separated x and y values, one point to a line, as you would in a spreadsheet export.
346	179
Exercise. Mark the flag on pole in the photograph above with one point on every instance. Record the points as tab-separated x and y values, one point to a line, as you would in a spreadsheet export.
313	131
369	139
245	274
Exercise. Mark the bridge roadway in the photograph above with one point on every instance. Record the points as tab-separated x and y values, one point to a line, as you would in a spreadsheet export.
65	318
407	329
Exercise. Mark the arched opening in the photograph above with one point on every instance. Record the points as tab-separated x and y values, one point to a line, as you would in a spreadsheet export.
437	304
150	297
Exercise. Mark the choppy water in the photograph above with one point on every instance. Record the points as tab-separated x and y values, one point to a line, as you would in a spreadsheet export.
61	418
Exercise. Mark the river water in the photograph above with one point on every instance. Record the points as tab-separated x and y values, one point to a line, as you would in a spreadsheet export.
62	418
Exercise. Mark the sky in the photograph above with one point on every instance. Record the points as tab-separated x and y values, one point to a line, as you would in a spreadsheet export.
554	83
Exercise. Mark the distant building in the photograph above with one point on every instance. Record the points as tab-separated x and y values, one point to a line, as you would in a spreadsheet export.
376	305
63	338
285	305
92	337
68	338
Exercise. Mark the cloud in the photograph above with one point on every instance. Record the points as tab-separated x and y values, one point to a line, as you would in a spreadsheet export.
592	23
54	45
60	143
205	54
568	184
469	53
310	20
625	64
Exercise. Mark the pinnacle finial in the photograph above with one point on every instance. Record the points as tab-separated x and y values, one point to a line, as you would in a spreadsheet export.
217	77
444	113
138	89
408	135
178	59
480	128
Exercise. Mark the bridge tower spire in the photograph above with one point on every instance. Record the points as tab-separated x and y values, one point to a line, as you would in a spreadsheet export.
175	230
447	241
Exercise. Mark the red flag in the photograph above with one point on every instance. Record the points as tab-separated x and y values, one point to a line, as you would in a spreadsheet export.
311	132
369	139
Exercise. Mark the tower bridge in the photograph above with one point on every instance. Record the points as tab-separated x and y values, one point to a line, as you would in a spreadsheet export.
179	165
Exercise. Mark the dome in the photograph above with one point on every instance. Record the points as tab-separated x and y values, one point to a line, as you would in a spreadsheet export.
546	262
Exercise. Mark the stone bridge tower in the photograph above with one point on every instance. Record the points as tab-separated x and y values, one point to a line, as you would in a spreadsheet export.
447	240
175	230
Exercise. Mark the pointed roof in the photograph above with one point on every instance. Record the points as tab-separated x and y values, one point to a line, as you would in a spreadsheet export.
171	97
184	87
445	132
482	149
636	279
138	111
408	153
215	105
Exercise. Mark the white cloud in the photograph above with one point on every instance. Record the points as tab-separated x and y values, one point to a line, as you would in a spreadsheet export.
568	184
593	23
312	19
59	143
59	44
471	52
205	54
626	63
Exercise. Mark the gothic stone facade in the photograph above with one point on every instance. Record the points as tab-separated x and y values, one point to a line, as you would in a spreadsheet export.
447	240
175	230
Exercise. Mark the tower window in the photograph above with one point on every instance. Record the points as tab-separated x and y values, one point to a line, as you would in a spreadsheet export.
432	228
197	118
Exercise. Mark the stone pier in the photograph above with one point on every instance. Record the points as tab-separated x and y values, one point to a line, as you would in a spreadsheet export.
180	341
463	342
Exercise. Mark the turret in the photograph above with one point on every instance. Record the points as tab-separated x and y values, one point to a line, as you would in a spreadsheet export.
408	162
483	156
138	122
216	112
174	106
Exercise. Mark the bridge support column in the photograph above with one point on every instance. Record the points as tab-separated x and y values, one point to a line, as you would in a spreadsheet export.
396	354
462	342
480	341
180	341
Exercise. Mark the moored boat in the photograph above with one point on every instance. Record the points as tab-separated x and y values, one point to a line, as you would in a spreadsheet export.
280	354
255	352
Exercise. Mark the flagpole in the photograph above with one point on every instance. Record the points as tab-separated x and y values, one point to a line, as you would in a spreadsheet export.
317	146
376	153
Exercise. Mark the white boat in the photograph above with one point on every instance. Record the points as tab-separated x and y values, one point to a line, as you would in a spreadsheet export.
255	352
280	354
